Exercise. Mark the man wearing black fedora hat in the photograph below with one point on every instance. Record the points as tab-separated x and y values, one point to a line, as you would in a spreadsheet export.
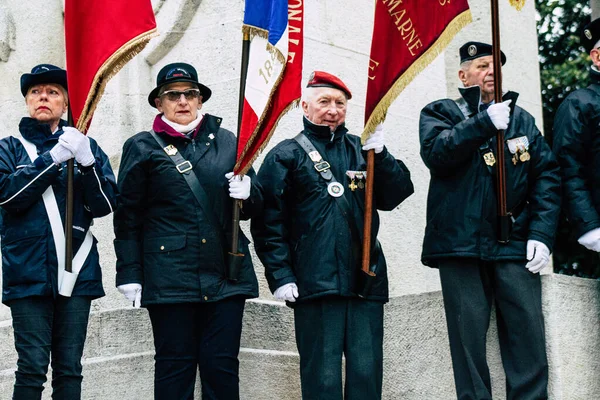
49	306
458	145
173	230
576	143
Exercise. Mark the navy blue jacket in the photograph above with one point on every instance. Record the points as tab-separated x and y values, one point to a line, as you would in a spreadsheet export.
164	239
461	204
302	236
576	144
29	264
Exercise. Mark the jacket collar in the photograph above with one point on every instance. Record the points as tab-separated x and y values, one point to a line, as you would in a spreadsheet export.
37	132
209	123
472	96
322	132
594	75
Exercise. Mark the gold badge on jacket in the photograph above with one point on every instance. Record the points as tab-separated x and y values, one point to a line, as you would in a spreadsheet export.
519	148
357	179
489	159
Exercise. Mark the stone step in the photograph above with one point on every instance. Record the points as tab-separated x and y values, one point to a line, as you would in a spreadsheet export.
130	377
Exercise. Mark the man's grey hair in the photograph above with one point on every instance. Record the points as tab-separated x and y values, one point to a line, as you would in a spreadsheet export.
466	65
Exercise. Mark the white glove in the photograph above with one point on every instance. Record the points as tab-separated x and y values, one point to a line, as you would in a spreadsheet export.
538	256
376	140
287	292
500	114
591	240
60	154
239	186
132	292
79	144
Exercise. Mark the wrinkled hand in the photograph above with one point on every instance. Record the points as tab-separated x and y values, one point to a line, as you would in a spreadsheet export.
376	141
500	114
287	292
591	240
79	144
239	186
60	154
538	256
132	292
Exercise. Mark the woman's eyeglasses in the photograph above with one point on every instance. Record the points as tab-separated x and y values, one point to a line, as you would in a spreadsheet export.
175	95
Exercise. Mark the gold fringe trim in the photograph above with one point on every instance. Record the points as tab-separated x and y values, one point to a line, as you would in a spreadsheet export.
379	113
253	31
518	4
109	69
295	103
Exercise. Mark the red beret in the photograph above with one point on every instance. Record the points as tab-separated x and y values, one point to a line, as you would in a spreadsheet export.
325	79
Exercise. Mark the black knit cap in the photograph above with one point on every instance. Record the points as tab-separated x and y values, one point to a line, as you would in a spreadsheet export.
473	50
178	72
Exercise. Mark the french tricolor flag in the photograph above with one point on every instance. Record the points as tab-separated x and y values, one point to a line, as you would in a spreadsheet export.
274	72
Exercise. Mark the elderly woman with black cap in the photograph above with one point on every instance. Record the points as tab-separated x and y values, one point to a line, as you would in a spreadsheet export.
172	233
49	306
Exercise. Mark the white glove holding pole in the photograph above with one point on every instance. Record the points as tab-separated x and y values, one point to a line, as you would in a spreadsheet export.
60	154
376	141
591	240
239	186
538	256
79	144
499	113
287	292
132	292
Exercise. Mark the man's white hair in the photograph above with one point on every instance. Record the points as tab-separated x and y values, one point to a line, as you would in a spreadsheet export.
466	65
310	93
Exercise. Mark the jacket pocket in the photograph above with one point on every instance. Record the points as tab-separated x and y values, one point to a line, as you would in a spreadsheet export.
164	244
25	260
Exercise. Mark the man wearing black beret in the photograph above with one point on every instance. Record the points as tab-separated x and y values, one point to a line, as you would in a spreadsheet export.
458	145
577	146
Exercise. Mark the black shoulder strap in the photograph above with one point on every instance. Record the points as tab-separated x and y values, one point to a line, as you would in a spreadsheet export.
324	169
184	167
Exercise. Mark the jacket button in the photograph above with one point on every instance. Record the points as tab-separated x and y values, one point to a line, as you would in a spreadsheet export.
208	143
205	297
203	240
162	247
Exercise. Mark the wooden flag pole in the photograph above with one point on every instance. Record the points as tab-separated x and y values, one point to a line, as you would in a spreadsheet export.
235	257
503	217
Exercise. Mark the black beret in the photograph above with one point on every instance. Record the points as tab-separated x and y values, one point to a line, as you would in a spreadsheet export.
473	50
590	35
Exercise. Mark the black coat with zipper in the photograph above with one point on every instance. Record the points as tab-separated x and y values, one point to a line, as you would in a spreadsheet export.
164	240
302	236
461	204
576	143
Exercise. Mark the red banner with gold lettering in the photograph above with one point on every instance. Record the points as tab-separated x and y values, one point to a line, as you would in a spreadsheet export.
407	36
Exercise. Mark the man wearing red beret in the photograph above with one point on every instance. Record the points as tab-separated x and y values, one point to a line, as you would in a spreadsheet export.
309	240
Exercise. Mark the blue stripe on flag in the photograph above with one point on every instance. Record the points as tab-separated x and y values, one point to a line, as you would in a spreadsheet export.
270	15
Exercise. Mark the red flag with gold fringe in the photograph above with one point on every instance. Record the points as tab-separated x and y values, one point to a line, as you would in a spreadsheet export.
101	36
407	36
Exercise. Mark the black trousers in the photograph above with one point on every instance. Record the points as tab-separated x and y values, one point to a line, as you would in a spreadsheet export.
191	336
49	330
330	326
469	287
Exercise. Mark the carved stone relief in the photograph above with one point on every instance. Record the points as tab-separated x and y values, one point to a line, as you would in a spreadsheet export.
7	34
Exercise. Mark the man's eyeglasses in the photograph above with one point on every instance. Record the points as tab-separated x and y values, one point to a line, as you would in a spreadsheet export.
175	95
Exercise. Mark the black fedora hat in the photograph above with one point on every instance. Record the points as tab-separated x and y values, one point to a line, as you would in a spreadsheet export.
591	35
178	72
43	73
473	50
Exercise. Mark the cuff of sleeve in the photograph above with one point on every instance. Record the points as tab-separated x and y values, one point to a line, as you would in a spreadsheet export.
87	169
43	161
541	237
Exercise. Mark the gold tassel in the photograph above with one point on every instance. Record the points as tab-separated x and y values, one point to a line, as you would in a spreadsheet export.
109	69
378	114
518	4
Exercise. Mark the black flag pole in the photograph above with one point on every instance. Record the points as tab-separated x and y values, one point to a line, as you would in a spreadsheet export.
503	217
69	208
235	257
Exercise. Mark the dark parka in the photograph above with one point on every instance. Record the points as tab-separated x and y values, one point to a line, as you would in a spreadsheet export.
164	240
29	263
302	235
461	205
576	143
